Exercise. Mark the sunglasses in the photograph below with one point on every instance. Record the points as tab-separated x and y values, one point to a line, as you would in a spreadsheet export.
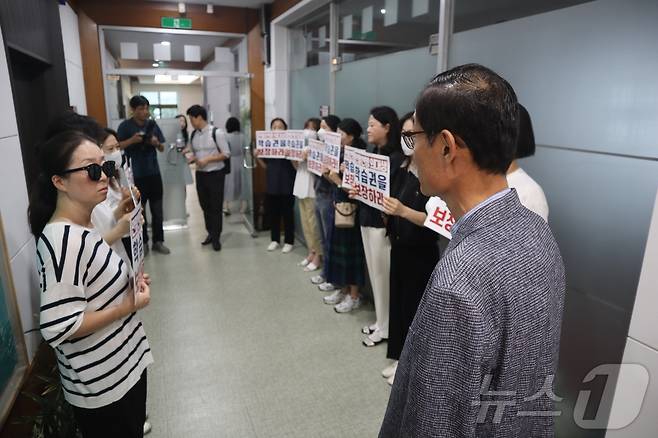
94	170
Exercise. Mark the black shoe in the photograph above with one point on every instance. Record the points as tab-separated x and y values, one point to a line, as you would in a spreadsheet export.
217	246
208	241
161	248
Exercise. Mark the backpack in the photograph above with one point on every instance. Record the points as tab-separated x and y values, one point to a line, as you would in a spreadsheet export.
227	163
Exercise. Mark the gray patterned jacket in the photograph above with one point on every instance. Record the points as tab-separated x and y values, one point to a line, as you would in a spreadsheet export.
486	335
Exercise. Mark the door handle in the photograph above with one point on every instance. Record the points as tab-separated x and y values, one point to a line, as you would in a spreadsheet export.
248	152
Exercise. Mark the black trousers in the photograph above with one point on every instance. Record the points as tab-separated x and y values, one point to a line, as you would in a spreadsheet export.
124	418
411	268
281	207
210	190
150	188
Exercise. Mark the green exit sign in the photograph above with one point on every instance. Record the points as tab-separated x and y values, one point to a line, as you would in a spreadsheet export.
176	23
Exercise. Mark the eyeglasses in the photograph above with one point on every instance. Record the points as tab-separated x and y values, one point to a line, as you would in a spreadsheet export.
94	170
408	137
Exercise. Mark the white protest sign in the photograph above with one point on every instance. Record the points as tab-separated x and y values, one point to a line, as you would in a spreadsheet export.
369	175
349	157
296	142
331	159
315	156
270	144
137	245
439	218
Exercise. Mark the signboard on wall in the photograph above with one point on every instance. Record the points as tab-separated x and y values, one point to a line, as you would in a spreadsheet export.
176	23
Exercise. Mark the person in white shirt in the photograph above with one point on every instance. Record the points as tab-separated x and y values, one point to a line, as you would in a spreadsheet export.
530	193
210	151
304	191
88	309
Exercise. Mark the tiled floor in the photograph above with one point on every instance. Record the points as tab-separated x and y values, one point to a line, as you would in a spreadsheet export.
244	346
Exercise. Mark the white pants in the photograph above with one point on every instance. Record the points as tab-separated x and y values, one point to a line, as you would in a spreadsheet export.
377	248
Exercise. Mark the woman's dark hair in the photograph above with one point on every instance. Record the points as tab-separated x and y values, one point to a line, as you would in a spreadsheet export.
404	118
182	116
525	143
106	133
387	116
285	125
137	101
478	107
196	111
313	121
183	130
72	121
332	121
54	158
232	125
353	128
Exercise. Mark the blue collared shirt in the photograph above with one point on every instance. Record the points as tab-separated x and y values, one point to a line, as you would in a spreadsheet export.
484	203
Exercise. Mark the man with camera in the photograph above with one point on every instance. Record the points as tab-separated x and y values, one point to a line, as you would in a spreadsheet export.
139	137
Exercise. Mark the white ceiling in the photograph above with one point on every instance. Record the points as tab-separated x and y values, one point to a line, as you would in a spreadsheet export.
235	3
145	41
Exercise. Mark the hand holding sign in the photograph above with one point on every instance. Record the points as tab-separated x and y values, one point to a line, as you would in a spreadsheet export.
439	218
393	207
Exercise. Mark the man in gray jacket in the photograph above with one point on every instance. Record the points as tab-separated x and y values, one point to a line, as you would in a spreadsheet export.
482	351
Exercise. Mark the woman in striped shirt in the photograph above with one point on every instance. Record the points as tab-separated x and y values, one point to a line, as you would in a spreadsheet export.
88	307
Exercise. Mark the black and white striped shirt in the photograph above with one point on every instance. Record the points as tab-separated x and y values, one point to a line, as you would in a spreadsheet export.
79	273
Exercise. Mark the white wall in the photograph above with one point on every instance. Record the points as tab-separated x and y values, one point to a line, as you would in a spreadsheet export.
13	208
111	91
277	76
73	57
642	346
217	90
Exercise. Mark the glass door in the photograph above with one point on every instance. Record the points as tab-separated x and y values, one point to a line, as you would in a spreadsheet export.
248	161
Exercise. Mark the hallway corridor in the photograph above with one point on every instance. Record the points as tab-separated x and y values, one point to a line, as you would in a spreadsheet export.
244	346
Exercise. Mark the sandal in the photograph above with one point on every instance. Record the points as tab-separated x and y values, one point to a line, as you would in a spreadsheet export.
369	329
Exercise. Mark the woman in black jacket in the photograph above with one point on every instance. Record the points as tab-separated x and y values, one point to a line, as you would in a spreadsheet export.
414	251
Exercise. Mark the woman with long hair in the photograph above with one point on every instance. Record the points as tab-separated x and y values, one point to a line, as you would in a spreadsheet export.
88	305
304	191
233	188
384	139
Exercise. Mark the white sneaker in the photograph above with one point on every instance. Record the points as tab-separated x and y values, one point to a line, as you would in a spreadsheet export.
286	248
272	246
326	287
311	267
147	427
317	279
348	304
390	370
335	297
